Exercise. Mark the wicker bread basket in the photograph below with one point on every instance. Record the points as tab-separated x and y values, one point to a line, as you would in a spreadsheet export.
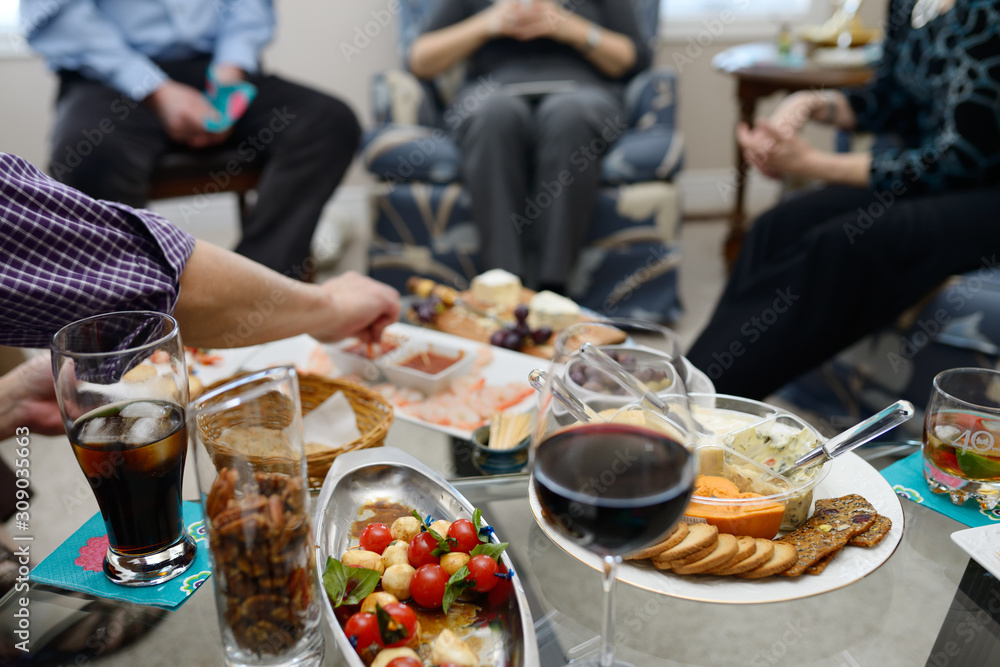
373	413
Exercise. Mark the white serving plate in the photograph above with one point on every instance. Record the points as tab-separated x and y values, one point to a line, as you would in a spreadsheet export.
849	474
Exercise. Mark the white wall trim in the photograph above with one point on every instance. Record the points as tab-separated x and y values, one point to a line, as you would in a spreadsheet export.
13	46
714	191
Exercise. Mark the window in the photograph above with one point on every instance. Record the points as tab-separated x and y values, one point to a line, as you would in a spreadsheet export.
742	18
746	9
8	16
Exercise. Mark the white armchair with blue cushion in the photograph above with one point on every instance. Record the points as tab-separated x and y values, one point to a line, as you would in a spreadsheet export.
423	225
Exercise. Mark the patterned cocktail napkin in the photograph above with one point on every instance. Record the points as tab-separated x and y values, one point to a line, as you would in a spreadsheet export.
78	565
907	480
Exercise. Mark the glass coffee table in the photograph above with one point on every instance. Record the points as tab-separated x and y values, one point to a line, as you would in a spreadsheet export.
928	604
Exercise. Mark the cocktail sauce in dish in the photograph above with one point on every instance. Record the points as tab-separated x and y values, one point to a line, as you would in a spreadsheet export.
430	362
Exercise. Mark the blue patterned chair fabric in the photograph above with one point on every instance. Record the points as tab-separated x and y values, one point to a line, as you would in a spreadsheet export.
423	224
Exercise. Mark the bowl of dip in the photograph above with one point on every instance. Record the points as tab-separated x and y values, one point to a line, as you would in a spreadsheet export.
745	452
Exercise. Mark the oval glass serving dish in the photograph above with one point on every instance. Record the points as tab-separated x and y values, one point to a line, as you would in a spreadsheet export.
356	480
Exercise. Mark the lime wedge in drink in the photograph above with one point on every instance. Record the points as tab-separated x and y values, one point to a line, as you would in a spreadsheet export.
977	466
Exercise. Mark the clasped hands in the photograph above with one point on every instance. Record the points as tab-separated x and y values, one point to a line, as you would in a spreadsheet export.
775	145
526	21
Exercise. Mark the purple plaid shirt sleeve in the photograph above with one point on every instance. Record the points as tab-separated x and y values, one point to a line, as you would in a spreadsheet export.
66	256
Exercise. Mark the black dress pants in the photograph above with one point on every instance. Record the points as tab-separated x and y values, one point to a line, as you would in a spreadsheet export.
106	145
822	270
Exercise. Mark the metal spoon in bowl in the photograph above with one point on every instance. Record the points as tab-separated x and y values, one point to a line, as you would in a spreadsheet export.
857	435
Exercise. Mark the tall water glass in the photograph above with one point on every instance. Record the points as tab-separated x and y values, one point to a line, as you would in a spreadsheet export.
251	467
121	382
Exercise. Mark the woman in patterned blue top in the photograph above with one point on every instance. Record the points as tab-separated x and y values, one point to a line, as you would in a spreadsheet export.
820	271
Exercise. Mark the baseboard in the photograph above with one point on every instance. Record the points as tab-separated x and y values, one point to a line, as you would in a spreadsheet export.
713	191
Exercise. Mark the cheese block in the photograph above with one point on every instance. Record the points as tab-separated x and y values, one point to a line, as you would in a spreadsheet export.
497	288
548	309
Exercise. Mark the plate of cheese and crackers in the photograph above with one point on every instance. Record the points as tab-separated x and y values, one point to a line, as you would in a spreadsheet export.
847	495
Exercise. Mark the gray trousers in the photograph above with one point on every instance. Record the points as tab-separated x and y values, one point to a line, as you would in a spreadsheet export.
532	167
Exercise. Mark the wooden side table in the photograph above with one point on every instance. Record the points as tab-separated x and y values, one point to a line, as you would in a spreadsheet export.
760	72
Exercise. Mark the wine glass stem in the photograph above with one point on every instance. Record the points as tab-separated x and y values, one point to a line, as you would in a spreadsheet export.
607	658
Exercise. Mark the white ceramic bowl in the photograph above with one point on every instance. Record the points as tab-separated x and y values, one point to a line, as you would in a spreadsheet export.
403	376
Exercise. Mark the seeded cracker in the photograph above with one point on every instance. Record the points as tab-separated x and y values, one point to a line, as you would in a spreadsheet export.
879	529
820	565
832	526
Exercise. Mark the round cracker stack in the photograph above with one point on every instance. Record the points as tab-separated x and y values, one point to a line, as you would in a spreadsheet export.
679	532
700	536
763	549
784	557
726	547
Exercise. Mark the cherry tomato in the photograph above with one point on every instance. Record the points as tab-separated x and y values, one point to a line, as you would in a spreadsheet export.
482	570
501	591
404	661
465	535
427	585
419	551
375	537
405	617
362	630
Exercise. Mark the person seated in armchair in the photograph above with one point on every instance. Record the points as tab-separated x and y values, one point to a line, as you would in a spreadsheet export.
821	270
131	76
541	103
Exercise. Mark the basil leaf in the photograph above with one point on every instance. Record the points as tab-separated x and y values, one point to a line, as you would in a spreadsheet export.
424	525
334	580
456	584
482	532
491	549
390	629
348	585
444	543
360	584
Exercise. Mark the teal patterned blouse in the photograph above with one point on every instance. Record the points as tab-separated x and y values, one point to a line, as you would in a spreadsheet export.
937	89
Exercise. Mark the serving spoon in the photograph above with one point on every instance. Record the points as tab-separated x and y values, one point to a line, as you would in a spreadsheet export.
865	431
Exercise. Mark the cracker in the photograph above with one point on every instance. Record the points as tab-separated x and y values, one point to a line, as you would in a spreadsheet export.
699	536
834	523
878	530
725	548
697	555
745	546
820	565
784	557
679	532
763	551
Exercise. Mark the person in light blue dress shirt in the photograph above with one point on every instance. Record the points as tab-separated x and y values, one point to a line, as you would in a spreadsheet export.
132	75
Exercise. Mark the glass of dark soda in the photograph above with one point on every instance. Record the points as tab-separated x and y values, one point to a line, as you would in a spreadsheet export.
122	386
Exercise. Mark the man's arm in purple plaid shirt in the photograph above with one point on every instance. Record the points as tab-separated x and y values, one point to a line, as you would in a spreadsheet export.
66	256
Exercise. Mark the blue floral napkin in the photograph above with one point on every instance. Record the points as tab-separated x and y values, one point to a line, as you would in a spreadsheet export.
78	565
907	480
